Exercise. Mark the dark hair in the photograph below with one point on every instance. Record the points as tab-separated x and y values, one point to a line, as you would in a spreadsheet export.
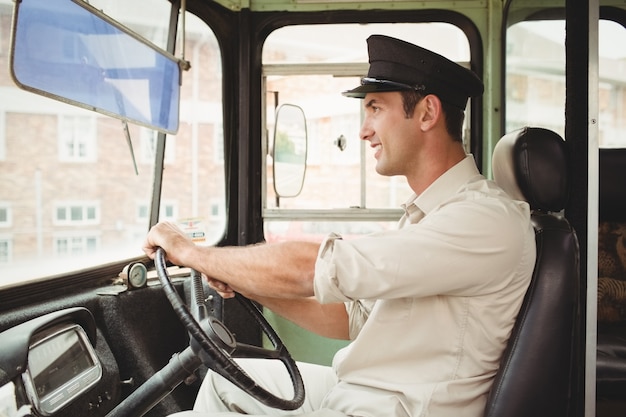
453	115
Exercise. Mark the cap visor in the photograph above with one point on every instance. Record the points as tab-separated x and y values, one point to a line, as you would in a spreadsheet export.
362	90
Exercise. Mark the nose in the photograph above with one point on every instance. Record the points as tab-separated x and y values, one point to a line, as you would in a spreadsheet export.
366	132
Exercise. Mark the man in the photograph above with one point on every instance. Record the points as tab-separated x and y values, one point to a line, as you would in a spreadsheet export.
428	307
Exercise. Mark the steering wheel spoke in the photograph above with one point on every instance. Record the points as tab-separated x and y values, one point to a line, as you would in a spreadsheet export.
244	350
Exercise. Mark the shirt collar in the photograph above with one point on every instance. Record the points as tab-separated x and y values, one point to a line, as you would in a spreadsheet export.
448	183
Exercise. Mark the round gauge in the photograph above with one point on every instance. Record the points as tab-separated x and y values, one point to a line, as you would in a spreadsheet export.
137	275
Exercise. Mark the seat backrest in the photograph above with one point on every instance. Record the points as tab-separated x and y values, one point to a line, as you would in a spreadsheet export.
535	372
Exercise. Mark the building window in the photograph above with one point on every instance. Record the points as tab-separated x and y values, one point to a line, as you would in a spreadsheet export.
142	213
5	214
75	245
3	152
6	249
216	209
218	143
168	211
77	138
149	144
77	213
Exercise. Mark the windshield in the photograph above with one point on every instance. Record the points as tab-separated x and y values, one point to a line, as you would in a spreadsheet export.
71	196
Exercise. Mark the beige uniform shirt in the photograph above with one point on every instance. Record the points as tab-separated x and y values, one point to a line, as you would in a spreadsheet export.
432	304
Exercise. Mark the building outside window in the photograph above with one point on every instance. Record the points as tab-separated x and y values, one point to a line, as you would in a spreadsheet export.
77	138
75	244
6	247
5	214
77	213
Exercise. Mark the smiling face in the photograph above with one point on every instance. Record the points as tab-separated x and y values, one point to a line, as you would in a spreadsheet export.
395	138
417	147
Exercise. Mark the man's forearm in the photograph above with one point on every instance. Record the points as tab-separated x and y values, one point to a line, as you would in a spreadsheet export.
281	270
328	320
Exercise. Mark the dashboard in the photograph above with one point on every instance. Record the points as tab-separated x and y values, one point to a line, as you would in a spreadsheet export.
62	365
87	353
48	363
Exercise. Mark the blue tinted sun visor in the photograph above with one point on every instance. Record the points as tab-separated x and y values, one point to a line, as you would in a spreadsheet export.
69	51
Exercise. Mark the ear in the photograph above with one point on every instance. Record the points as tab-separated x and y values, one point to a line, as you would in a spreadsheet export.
431	112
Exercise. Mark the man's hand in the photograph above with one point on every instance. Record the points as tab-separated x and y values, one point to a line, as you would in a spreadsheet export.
178	248
221	288
174	242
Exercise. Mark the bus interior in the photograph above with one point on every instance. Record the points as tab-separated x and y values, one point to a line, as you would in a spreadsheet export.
226	117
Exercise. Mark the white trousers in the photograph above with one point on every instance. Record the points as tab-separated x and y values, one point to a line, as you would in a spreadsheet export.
218	397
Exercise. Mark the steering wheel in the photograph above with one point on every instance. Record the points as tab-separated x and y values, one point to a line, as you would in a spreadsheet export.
216	345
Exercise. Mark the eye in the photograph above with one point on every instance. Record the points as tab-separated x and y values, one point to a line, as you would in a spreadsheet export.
372	107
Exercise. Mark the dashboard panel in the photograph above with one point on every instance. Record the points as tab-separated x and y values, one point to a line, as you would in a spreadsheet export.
133	333
51	364
62	364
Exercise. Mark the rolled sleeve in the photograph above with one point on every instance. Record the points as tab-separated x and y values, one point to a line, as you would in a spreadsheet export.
325	283
460	240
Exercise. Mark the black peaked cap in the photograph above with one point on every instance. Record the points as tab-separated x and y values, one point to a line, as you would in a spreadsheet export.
397	65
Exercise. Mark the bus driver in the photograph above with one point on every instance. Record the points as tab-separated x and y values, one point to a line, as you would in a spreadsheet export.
428	307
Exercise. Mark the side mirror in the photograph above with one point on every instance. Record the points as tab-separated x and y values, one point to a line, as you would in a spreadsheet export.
289	151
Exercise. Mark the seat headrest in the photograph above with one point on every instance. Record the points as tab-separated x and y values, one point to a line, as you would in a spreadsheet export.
531	164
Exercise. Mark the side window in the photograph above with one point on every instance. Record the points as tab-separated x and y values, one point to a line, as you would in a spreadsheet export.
341	184
535	75
612	88
535	78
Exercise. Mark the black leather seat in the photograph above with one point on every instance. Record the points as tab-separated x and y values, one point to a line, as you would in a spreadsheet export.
535	372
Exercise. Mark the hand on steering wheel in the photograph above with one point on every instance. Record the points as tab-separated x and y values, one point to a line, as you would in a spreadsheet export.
217	346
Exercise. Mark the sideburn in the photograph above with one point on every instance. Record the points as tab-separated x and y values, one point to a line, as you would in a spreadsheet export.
410	99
